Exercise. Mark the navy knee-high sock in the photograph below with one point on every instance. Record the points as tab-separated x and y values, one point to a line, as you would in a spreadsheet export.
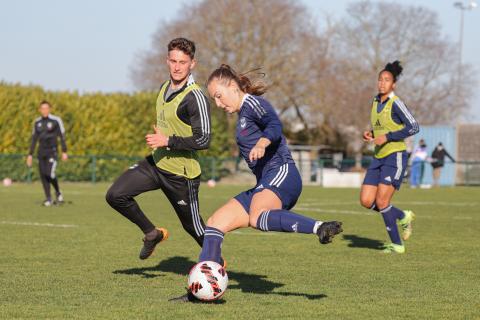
212	245
286	221
390	219
399	214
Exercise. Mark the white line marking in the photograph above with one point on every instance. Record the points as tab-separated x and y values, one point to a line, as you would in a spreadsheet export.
254	233
462	218
418	203
37	224
366	213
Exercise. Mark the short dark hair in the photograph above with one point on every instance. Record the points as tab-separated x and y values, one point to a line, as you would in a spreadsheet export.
184	45
45	102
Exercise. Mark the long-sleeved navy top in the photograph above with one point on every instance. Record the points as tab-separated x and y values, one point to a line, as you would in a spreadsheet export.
257	119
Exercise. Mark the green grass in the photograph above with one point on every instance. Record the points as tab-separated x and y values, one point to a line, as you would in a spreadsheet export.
91	270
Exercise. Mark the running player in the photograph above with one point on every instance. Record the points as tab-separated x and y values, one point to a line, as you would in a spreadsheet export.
392	122
46	130
267	205
182	128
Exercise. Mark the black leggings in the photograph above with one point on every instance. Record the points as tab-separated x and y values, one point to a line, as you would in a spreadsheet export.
146	176
48	166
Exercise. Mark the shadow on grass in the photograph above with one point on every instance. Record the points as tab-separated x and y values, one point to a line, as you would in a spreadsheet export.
246	282
361	242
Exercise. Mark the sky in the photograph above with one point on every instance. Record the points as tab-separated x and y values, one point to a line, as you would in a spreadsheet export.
90	45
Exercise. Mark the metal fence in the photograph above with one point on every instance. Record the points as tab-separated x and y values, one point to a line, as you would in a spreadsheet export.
95	168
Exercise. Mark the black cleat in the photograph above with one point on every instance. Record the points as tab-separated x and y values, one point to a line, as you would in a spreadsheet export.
149	245
328	230
188	297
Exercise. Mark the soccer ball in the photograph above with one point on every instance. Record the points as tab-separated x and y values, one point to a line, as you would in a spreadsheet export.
7	182
207	280
211	183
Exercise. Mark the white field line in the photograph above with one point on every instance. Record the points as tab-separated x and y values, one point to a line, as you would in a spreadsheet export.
254	233
37	224
362	213
418	203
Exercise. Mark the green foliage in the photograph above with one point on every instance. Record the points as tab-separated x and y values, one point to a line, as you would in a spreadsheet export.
95	124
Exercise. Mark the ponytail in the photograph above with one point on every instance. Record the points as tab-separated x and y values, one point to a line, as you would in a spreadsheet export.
226	74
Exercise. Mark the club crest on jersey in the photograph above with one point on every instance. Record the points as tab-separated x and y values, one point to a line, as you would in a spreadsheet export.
243	122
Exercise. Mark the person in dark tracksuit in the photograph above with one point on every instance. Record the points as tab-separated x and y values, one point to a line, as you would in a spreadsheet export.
46	130
438	161
182	128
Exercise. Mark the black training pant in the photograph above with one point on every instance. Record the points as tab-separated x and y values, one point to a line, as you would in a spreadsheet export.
47	166
146	176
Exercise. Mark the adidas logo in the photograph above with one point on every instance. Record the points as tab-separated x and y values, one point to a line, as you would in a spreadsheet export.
388	179
377	123
260	187
182	203
295	227
134	166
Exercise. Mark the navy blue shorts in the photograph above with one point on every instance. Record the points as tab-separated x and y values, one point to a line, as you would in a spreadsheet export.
284	181
389	170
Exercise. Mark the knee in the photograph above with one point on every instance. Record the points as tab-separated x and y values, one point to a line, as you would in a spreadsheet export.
382	203
253	216
211	222
366	202
113	198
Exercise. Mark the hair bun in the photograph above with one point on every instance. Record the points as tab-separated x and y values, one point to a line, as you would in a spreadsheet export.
394	68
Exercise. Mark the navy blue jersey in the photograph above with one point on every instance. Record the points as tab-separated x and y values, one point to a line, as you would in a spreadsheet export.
257	119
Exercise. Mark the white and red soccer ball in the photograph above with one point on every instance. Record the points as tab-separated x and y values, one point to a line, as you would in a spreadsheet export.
207	280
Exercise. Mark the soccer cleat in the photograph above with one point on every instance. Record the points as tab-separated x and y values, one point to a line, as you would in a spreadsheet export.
47	203
327	230
188	297
60	198
149	245
406	224
394	248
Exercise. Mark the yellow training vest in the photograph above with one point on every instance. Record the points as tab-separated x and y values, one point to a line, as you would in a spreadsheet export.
180	162
382	123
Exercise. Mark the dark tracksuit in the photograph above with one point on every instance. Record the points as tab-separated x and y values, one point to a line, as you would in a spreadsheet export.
46	131
181	192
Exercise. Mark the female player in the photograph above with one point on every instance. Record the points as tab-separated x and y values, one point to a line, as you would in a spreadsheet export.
261	142
392	122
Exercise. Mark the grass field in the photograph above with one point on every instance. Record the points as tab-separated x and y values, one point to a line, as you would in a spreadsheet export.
79	261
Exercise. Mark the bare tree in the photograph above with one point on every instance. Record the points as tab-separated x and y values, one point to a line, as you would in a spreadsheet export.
373	34
277	35
320	79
